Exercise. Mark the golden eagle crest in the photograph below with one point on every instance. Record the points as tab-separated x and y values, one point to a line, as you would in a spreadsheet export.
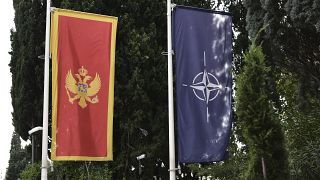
82	90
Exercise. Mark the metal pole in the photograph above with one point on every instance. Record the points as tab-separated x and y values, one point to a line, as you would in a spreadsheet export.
139	169
172	168
44	162
264	171
32	154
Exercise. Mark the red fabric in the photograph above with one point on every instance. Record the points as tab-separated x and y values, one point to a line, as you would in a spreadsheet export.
83	131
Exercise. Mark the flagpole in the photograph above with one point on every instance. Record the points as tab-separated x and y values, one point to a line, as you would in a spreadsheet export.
172	168
44	161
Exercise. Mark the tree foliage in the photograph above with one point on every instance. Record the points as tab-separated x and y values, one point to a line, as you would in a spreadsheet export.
27	70
140	76
19	158
288	88
301	130
31	172
69	170
258	121
27	43
291	44
303	56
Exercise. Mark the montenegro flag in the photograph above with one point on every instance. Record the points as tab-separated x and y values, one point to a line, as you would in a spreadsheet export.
83	60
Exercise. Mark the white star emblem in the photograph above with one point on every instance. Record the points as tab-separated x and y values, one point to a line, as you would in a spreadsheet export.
205	86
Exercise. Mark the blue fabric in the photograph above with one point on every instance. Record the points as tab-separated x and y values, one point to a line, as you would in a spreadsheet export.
203	44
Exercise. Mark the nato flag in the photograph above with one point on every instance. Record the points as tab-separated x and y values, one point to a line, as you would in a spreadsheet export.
203	42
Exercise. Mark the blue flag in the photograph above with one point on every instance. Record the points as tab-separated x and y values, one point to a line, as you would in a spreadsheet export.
203	43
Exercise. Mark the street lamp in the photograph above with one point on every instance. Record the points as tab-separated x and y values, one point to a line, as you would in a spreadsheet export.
142	156
35	129
31	132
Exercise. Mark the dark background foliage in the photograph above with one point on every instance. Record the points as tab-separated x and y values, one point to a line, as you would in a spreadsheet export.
289	89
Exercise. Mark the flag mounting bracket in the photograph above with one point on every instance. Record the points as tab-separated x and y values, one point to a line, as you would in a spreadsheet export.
43	58
173	6
174	169
165	53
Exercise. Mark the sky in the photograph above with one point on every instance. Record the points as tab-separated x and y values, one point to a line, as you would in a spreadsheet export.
6	128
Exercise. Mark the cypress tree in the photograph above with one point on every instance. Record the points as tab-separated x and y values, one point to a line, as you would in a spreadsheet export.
258	121
19	158
294	36
27	42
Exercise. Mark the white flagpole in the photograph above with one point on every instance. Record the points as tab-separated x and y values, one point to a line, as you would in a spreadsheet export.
172	168
44	161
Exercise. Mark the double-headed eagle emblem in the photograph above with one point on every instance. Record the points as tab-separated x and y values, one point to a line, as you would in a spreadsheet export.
82	90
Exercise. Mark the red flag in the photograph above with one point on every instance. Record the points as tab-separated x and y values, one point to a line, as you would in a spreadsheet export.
83	60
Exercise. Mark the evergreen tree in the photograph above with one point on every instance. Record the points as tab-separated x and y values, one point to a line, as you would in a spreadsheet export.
27	43
290	42
294	33
300	86
301	129
303	56
261	127
18	158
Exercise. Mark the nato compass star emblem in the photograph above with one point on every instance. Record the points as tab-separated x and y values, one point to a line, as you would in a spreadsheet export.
205	86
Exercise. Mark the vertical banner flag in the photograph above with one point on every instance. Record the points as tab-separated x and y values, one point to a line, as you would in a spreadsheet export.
203	42
83	60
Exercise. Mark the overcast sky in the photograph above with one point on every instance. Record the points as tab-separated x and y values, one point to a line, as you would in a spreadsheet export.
6	128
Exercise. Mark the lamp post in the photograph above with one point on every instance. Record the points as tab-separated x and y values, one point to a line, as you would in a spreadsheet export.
142	156
31	133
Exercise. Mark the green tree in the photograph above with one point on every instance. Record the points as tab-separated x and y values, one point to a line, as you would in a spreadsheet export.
303	56
19	158
257	119
70	170
290	41
301	129
32	172
140	76
295	62
27	43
